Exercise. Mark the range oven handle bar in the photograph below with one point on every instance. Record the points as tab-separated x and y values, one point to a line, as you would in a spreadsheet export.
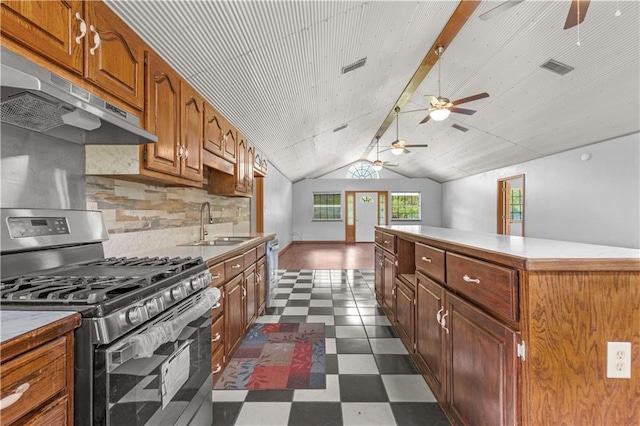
144	345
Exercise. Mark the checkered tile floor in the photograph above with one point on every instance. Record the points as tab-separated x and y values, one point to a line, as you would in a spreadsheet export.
371	379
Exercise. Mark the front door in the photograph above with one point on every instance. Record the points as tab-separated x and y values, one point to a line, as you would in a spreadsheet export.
366	216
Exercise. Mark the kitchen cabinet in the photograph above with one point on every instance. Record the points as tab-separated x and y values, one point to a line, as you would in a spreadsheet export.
251	152
240	184
217	323
250	308
379	275
259	165
405	313
36	375
85	38
234	314
389	282
175	113
220	141
261	285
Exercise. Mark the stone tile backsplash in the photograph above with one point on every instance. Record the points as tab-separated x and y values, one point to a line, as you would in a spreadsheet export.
139	216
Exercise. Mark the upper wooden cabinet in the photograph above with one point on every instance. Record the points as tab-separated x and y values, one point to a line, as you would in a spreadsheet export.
248	176
114	54
175	113
259	165
48	28
240	184
220	140
85	38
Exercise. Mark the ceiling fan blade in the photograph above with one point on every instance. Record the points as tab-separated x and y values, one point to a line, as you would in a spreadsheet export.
427	118
499	9
573	18
417	146
462	111
390	165
471	98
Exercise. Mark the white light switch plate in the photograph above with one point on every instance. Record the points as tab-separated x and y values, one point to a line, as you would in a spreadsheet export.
619	360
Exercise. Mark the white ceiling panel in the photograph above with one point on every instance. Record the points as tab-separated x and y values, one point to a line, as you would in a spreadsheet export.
274	69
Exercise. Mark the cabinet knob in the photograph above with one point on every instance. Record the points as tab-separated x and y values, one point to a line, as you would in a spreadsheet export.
9	400
468	279
96	40
426	259
217	369
236	266
216	338
83	28
216	276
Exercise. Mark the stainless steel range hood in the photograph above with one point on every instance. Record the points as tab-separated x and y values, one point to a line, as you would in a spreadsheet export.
39	100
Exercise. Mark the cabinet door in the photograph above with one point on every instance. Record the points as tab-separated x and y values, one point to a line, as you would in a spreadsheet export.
482	366
379	276
192	115
233	310
115	55
251	153
241	164
261	285
214	125
389	269
49	28
230	143
250	299
430	336
405	315
162	116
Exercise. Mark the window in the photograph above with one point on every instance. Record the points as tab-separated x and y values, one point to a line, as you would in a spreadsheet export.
516	204
405	206
327	206
362	170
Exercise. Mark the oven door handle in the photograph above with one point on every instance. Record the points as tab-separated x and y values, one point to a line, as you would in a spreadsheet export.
144	344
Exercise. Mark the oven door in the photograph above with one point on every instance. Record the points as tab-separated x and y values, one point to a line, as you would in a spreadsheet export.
161	373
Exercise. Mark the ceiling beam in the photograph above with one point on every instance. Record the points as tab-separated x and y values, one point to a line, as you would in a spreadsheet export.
459	17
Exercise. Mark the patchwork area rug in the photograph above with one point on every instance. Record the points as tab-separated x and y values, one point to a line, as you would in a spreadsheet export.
278	356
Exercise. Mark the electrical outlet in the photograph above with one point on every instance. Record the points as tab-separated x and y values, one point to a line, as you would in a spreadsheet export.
619	360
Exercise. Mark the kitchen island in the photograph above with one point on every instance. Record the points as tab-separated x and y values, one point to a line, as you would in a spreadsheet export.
514	330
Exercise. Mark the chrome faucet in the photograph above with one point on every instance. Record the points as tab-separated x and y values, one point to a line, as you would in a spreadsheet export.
203	232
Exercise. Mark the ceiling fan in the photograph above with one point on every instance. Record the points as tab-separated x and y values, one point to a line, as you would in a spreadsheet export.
442	107
400	146
378	164
576	15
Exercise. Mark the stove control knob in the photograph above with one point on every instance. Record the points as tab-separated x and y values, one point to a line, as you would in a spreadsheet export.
207	278
134	315
154	306
179	292
196	283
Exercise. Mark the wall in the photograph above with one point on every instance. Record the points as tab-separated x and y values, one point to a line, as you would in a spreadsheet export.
278	206
140	217
595	201
39	171
306	229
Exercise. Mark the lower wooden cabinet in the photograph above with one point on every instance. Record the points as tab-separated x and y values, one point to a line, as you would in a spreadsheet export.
379	276
261	285
234	314
250	303
405	313
389	282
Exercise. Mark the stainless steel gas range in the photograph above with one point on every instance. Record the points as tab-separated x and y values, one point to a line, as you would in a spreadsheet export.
143	351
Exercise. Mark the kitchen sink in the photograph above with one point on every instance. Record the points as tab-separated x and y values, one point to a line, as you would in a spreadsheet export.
219	241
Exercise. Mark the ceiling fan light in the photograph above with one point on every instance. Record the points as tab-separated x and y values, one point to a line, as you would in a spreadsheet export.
377	167
397	151
439	114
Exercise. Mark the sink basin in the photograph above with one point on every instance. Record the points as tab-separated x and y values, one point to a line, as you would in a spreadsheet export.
219	241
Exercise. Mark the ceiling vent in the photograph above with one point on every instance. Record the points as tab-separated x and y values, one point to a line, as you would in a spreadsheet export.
459	127
354	66
337	129
557	67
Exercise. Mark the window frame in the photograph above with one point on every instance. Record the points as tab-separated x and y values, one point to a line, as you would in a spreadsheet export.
339	207
405	193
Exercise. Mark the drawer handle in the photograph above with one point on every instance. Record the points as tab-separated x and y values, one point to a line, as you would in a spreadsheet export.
439	317
96	40
444	322
468	279
426	259
381	264
258	278
236	266
216	276
83	28
9	400
386	242
216	338
217	370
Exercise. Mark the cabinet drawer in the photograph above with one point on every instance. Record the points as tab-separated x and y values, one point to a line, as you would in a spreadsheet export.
261	250
217	363
494	287
430	260
378	237
249	257
216	312
233	266
217	333
55	413
217	275
43	369
388	242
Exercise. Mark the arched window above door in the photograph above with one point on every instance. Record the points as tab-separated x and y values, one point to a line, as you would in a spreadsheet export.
362	170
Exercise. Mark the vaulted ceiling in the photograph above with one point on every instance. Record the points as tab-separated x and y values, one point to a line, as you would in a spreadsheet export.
274	69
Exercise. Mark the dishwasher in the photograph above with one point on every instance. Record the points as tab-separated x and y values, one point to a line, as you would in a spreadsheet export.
272	271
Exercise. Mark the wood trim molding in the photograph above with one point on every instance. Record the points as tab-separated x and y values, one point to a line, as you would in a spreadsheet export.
458	19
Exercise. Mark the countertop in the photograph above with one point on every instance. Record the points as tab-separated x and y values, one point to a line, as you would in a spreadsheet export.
535	253
17	323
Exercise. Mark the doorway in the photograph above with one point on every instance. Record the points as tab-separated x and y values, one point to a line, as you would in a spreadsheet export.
511	206
364	210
